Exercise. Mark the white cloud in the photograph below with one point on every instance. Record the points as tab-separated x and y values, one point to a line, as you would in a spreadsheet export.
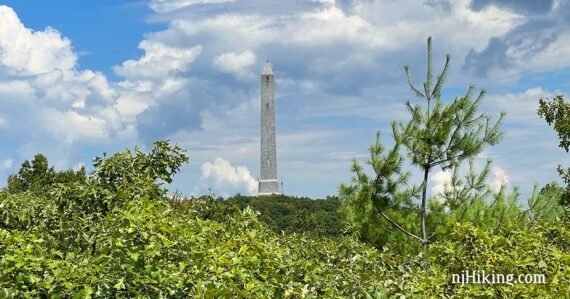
333	48
75	126
440	179
159	61
28	52
18	89
130	105
153	78
236	64
500	178
74	89
403	27
520	107
331	25
227	178
371	26
50	105
170	5
553	57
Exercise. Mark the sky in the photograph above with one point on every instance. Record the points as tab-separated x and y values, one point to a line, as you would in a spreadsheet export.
79	78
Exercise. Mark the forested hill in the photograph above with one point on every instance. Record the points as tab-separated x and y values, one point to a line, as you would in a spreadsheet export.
279	212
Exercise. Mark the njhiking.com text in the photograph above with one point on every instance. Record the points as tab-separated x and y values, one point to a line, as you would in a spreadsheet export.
484	277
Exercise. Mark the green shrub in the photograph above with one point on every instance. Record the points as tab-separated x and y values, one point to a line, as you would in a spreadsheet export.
117	235
543	249
145	249
36	176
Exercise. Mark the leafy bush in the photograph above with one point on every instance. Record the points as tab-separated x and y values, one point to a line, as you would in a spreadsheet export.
36	176
146	249
116	234
544	249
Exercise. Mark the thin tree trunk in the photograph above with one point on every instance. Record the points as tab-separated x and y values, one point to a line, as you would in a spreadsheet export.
424	207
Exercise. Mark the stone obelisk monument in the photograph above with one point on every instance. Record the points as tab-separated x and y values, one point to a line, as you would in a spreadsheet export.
268	183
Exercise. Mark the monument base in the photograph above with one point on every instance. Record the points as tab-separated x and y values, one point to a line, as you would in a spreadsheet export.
268	187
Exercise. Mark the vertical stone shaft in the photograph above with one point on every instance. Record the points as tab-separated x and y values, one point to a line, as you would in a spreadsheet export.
268	183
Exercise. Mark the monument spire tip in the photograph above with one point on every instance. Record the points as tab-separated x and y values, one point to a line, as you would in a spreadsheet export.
267	69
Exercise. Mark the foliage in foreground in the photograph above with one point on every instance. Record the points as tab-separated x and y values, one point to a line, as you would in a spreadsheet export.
146	249
542	250
116	234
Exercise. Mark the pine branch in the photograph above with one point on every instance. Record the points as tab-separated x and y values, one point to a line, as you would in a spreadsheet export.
436	93
429	76
460	125
400	227
411	83
441	117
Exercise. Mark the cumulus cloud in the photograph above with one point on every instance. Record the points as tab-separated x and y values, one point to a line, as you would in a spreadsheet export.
227	178
74	89
170	5
236	64
500	178
156	91
74	126
368	49
439	180
159	61
50	105
27	52
514	49
537	44
521	107
520	6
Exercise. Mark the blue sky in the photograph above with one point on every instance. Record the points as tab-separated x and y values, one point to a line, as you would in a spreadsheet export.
80	78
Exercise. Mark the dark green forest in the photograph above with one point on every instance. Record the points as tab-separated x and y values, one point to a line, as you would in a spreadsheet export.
280	213
117	232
